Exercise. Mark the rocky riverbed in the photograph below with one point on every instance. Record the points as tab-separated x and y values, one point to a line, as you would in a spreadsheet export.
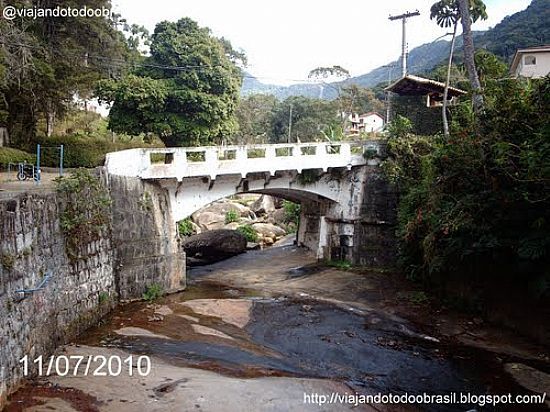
267	219
260	331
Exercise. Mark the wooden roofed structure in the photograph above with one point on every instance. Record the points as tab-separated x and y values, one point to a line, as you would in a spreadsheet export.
411	85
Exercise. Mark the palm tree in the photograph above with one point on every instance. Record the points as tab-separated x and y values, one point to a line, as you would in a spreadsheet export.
464	7
447	14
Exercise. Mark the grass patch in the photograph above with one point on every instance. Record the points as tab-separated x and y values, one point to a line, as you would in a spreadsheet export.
185	227
7	261
340	264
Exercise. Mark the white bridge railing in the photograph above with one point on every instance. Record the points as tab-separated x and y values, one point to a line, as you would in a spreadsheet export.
214	161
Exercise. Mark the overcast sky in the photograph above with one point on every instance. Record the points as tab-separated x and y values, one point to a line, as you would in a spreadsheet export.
285	39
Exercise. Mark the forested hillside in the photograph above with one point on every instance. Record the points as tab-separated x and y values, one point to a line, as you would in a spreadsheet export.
529	27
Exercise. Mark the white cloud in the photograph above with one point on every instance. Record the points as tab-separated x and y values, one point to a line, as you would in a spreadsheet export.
285	39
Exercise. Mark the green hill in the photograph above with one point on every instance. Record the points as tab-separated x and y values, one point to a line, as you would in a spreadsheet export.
530	27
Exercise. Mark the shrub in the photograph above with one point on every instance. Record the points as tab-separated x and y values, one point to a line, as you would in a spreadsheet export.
292	212
340	264
249	233
153	292
231	216
400	127
477	204
85	210
10	155
185	227
370	153
82	151
309	176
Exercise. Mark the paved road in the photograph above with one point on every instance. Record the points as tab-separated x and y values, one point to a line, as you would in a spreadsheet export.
9	185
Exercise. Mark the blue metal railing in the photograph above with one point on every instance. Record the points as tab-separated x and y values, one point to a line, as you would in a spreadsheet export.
41	285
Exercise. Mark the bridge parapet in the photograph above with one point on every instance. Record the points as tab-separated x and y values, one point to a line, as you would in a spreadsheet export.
212	161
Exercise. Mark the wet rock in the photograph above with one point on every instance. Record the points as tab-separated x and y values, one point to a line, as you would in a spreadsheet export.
204	330
134	331
233	311
253	246
163	310
215	245
155	318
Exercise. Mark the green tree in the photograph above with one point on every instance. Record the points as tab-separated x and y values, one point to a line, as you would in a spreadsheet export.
49	60
447	14
254	114
186	92
357	99
306	117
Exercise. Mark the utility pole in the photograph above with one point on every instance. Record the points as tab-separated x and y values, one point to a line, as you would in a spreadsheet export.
403	17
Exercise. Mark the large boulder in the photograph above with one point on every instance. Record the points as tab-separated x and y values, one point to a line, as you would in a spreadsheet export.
214	245
212	217
263	205
268	230
221	208
208	220
278	217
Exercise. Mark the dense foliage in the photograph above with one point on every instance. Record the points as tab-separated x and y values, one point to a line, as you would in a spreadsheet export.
478	204
185	92
44	62
9	155
263	119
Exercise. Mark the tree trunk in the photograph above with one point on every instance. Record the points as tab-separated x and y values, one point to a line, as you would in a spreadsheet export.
447	83
469	52
50	120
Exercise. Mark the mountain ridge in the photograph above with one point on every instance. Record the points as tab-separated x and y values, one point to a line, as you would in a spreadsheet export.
529	27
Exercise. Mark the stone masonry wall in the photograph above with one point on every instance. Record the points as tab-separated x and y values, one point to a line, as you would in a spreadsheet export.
145	238
361	229
137	250
79	292
375	242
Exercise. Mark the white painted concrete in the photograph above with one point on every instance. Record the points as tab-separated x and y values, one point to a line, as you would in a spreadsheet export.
213	160
194	184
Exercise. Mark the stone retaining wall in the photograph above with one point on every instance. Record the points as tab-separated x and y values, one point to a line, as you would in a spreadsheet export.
137	250
78	293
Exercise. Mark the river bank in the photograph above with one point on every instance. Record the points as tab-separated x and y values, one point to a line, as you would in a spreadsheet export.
263	329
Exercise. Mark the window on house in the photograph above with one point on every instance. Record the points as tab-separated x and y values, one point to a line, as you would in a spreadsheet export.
530	60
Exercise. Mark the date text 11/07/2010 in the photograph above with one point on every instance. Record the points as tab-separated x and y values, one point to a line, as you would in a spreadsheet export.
90	365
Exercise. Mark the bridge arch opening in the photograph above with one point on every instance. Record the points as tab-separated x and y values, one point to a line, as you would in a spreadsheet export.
265	216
